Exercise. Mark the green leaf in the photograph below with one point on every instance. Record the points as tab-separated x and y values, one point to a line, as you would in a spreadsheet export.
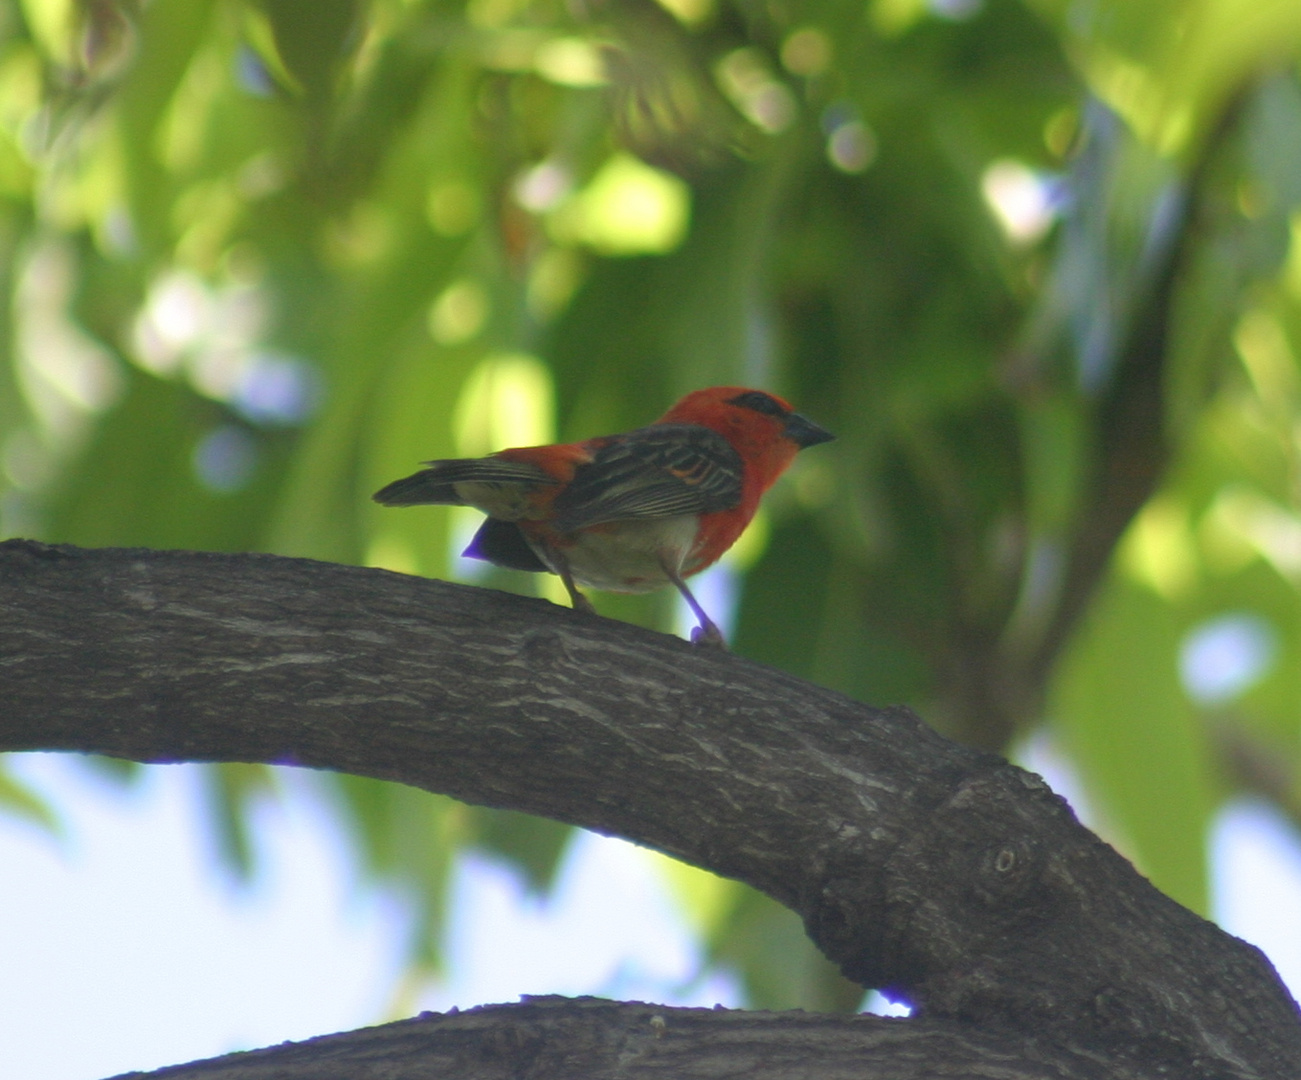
1139	745
230	790
20	800
532	845
779	966
313	38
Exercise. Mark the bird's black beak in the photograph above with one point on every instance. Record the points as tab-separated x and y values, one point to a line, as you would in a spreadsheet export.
804	432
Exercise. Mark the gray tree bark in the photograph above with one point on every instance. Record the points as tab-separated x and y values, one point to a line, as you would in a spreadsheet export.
945	876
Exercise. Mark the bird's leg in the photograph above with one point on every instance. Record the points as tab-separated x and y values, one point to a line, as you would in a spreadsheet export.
561	565
707	633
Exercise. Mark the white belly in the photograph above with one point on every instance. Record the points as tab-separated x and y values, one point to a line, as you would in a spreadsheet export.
628	557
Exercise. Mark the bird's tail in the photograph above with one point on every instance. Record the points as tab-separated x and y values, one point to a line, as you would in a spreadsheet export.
437	483
426	486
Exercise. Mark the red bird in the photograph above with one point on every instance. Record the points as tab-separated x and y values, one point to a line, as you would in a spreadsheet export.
626	513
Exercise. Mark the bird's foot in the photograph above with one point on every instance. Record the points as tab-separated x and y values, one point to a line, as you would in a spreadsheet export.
710	635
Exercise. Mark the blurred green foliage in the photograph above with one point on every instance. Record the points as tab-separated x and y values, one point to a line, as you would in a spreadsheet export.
1037	264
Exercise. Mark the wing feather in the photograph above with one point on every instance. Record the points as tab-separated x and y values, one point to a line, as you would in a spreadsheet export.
436	483
659	471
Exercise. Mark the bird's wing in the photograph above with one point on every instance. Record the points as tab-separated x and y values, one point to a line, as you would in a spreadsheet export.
657	471
436	483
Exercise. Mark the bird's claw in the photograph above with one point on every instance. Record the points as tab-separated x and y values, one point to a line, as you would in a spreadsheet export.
709	635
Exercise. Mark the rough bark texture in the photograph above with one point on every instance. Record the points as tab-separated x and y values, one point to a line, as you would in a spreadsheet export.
555	1038
946	875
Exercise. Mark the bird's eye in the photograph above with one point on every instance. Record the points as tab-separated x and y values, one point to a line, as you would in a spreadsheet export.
760	403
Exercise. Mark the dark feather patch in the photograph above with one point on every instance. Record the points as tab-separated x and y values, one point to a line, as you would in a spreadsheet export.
758	401
418	488
434	484
502	544
657	471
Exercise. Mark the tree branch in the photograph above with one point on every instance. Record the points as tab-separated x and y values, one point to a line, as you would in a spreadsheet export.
943	874
1131	421
556	1038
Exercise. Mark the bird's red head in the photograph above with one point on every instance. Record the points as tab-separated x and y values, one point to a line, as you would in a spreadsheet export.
763	428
